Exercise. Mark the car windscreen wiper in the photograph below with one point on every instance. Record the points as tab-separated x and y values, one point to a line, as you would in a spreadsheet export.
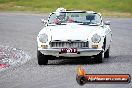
89	23
85	23
93	24
59	23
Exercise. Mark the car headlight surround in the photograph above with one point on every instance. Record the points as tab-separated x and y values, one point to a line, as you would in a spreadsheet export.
43	38
96	38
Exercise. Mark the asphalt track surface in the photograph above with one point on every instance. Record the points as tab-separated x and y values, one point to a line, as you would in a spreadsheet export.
20	31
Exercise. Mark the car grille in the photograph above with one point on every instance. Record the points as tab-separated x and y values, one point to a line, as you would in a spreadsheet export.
68	44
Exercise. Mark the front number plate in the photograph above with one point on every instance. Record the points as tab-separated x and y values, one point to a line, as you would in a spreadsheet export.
69	50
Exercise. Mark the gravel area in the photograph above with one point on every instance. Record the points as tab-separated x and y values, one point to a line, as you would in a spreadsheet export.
10	56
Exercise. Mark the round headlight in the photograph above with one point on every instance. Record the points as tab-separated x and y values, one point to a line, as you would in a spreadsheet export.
96	38
43	38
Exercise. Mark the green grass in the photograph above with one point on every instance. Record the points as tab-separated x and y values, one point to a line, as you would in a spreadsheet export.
107	7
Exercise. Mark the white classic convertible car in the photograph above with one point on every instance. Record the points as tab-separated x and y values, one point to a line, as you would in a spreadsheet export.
73	34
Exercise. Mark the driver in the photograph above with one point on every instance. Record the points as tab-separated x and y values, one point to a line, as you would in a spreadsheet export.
61	16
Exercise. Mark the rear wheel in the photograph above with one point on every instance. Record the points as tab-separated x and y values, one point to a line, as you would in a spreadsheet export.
42	59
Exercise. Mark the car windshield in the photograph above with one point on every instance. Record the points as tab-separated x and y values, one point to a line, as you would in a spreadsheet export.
83	18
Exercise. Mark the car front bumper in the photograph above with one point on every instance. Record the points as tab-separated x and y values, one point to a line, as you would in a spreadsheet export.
80	52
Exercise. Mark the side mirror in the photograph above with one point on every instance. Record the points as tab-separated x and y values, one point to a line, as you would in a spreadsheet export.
44	21
107	22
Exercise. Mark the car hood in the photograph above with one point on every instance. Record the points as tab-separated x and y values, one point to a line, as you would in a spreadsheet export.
71	31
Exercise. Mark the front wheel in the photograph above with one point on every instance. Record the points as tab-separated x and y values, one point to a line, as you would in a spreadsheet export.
42	59
99	58
106	54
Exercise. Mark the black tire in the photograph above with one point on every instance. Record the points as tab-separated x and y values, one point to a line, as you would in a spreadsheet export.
99	58
106	54
42	59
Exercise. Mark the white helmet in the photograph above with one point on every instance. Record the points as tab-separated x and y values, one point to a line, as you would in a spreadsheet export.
61	10
60	16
